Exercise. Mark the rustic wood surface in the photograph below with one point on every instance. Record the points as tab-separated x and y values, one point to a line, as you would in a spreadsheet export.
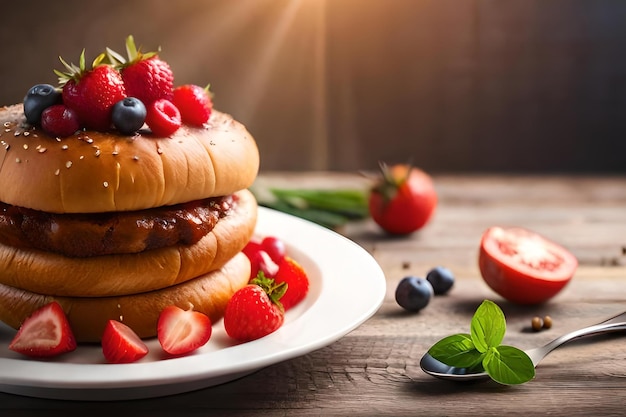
374	370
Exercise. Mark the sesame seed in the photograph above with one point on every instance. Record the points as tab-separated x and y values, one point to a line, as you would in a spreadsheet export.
18	160
25	146
68	164
7	130
115	153
41	150
57	172
81	157
27	133
135	158
17	133
106	184
7	124
97	152
65	147
159	151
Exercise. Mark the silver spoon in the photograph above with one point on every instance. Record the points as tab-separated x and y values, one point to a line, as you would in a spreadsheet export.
439	369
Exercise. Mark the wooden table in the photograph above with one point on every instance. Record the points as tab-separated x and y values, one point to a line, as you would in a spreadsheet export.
374	370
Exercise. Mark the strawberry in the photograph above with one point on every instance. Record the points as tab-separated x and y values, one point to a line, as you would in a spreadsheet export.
255	310
146	77
91	93
292	273
120	344
194	103
163	118
182	331
45	333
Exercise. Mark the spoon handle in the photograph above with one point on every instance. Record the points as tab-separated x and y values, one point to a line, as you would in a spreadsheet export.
613	324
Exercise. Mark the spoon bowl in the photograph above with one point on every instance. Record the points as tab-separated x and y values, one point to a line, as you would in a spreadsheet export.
440	370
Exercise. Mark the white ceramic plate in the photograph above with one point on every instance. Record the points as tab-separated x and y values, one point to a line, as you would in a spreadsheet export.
340	271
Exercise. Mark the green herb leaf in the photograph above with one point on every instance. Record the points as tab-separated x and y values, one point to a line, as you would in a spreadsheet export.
488	326
482	349
508	365
456	350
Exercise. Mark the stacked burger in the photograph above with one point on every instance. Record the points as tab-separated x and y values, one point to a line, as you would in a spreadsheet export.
118	225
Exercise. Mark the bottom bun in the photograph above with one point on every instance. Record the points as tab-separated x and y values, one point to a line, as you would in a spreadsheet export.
207	294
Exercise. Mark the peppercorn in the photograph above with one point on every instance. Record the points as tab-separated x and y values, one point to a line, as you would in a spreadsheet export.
536	323
547	322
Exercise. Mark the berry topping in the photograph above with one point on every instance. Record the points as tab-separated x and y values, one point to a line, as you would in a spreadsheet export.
194	103
91	93
128	115
163	118
38	98
45	333
59	120
145	75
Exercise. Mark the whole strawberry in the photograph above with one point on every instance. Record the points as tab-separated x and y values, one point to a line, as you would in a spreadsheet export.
292	273
255	310
194	103
92	92
146	77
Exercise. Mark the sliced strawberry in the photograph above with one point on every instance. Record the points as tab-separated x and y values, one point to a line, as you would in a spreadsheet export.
194	103
255	310
163	118
182	331
120	344
293	274
45	333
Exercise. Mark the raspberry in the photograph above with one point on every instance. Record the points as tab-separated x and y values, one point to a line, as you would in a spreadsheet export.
194	103
59	120
163	118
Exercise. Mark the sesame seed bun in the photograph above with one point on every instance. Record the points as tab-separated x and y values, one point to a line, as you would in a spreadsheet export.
94	172
208	294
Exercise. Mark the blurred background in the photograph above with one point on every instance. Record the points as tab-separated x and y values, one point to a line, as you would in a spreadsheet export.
528	86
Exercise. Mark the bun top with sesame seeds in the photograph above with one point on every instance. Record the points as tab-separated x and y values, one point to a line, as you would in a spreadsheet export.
92	172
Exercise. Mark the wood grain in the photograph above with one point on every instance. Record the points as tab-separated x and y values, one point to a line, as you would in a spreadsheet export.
374	370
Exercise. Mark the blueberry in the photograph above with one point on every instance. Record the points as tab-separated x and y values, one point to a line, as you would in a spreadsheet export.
128	115
39	98
414	293
441	279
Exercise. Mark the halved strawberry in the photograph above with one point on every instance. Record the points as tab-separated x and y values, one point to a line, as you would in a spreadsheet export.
182	331
120	344
255	310
45	333
293	274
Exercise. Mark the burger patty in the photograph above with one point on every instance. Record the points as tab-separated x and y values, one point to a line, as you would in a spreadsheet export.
84	235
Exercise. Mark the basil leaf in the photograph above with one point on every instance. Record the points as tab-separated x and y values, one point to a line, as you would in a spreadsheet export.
457	350
488	326
508	365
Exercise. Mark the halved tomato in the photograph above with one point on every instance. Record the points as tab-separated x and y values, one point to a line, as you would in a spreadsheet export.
522	266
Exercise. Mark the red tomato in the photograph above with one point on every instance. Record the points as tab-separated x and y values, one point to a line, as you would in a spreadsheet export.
522	266
402	202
